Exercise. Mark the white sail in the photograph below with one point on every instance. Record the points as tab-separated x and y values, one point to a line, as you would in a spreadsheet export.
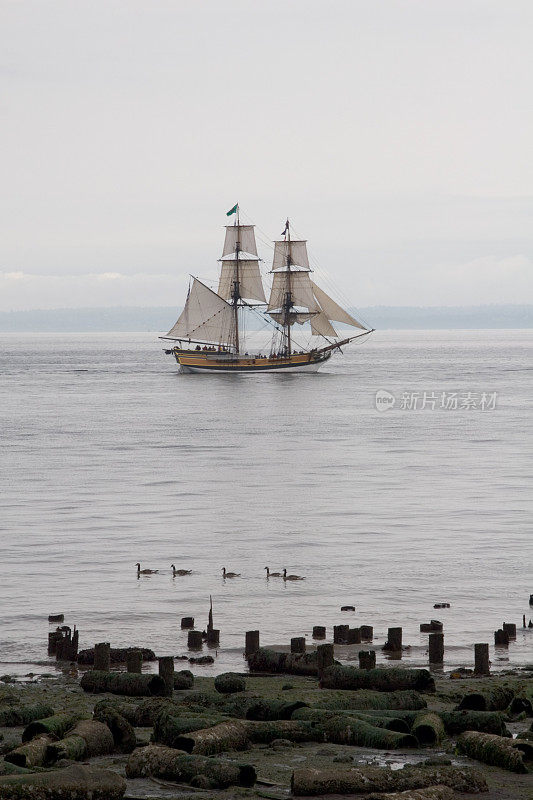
321	326
294	316
244	234
332	310
301	289
297	251
206	316
250	283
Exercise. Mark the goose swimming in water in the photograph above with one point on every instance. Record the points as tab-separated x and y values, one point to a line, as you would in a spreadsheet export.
292	577
180	572
145	571
272	574
230	574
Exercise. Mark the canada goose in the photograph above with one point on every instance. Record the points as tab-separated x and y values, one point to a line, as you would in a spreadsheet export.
145	571
272	574
180	571
230	574
292	577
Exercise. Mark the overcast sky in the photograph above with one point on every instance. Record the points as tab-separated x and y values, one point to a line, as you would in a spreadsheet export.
396	134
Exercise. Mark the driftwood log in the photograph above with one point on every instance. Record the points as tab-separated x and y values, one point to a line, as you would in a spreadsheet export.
77	782
364	698
165	762
522	702
31	754
56	725
381	680
265	660
127	683
230	735
319	715
293	730
252	707
428	728
88	739
484	721
121	730
363	780
117	655
23	715
515	755
169	726
493	698
358	733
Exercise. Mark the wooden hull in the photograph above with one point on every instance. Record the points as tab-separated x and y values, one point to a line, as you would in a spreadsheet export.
193	361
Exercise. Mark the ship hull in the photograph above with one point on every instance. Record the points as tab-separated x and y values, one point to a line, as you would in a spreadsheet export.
192	362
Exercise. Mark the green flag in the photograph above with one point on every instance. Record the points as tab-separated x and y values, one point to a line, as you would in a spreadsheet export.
232	210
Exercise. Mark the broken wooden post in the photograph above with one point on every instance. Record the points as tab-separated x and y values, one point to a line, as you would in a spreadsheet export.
187	622
251	643
298	644
367	659
194	640
340	633
367	633
213	637
166	671
134	661
501	638
324	657
481	659
102	657
510	628
523	621
354	636
436	648
56	617
319	631
394	640
53	638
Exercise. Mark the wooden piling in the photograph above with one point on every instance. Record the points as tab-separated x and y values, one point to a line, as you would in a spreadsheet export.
187	622
481	659
510	628
354	636
501	638
394	640
166	671
251	643
436	648
53	638
324	657
367	659
102	657
213	637
340	634
319	631
524	621
195	640
298	644
134	661
367	633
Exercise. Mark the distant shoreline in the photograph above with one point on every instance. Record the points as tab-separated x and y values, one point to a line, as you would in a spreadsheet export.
161	318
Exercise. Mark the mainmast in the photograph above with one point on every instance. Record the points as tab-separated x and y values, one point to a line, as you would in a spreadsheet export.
288	304
236	294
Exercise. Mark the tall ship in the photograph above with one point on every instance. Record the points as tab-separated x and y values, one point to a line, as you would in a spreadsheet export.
210	334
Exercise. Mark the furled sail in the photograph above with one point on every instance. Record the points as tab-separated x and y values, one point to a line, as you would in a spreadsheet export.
332	310
206	316
294	316
301	289
296	250
250	283
244	234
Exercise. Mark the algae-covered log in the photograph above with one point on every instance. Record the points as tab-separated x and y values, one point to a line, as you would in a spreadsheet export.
148	710
56	725
364	698
293	730
31	754
24	714
484	721
431	793
493	698
121	730
165	762
351	731
230	735
269	709
229	682
88	739
265	660
515	755
76	782
11	769
319	715
183	679
363	780
168	726
428	728
127	683
522	702
117	655
381	680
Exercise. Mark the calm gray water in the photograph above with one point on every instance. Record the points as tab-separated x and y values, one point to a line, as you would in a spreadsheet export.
111	457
